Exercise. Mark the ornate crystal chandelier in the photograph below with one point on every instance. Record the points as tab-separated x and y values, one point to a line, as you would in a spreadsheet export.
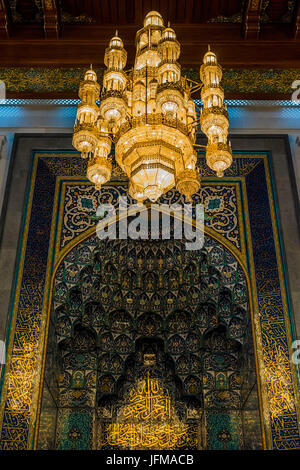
149	115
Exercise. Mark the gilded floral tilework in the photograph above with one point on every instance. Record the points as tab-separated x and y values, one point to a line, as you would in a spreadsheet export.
51	79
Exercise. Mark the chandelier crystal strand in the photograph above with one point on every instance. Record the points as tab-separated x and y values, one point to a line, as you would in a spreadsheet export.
151	117
91	135
85	131
214	116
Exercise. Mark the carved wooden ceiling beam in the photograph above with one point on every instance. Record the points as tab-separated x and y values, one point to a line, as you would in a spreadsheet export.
251	19
296	21
4	20
51	19
138	16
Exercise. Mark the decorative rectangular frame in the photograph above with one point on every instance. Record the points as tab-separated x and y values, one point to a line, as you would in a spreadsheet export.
272	321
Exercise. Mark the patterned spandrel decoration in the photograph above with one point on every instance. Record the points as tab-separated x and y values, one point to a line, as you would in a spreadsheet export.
22	380
82	201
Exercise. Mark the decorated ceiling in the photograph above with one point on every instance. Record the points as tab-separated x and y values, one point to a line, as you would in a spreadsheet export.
49	43
123	11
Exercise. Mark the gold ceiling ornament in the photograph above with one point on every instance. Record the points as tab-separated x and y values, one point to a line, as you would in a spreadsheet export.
149	115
